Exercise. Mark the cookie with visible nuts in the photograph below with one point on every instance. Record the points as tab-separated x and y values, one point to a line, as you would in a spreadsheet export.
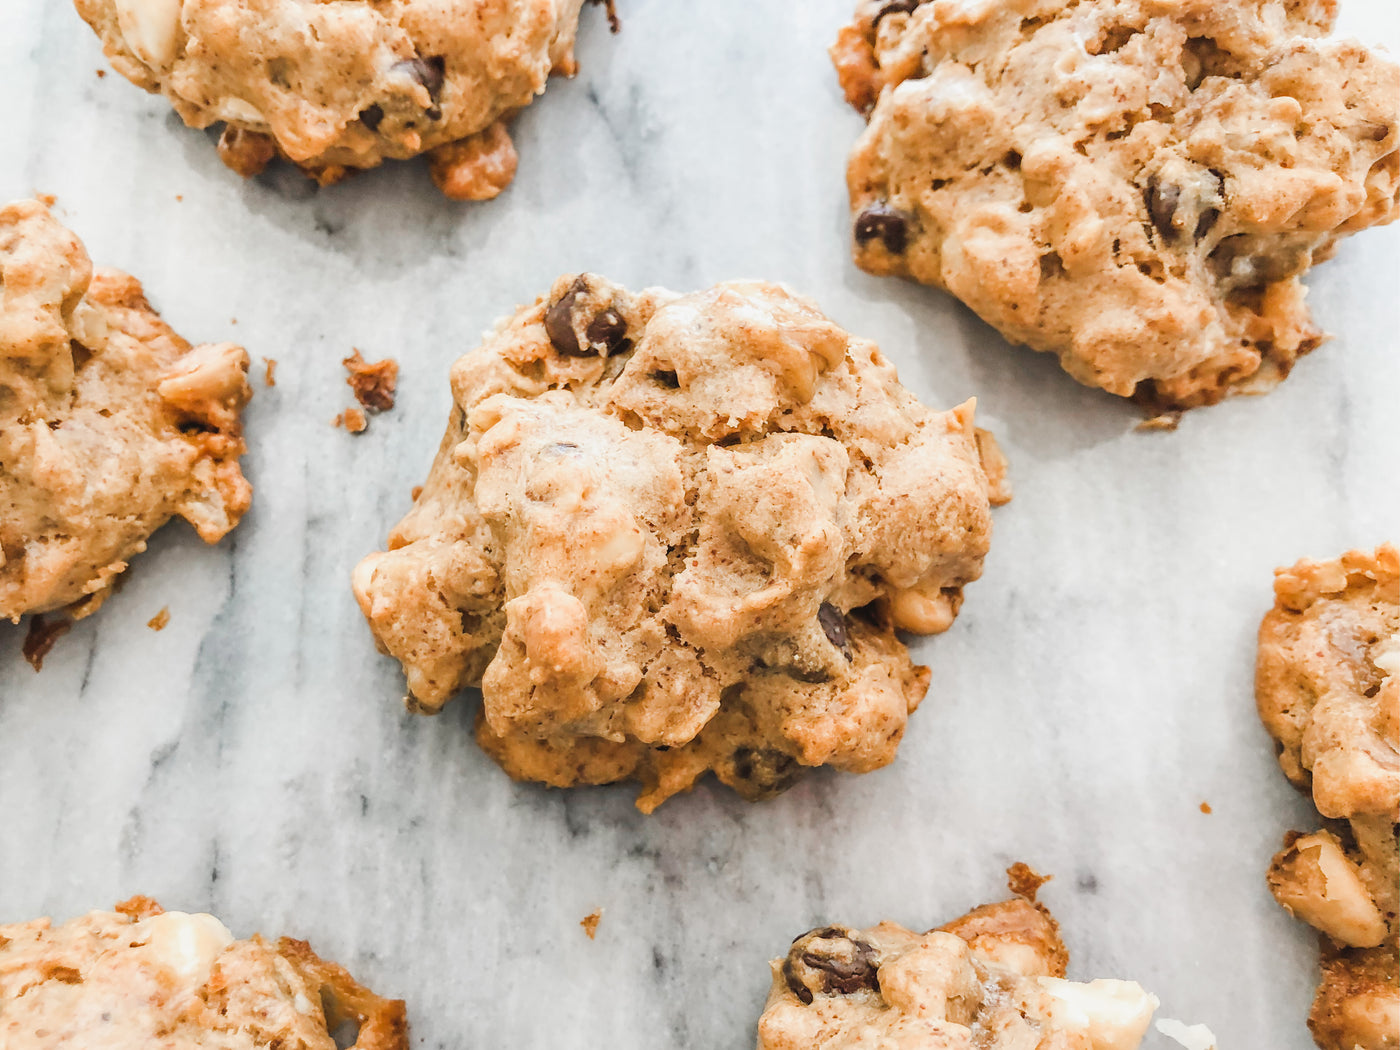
993	978
141	977
1328	690
110	423
345	86
672	534
1136	187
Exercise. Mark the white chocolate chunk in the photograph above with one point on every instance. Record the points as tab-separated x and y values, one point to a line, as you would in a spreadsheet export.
185	944
1113	1014
151	28
1191	1036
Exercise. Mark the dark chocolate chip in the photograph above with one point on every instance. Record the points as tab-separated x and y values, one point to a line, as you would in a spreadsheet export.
371	116
1206	222
762	772
834	627
1162	200
606	331
667	379
896	7
831	961
882	221
430	72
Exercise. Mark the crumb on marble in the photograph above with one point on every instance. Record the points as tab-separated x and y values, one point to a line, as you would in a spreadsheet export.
41	638
417	491
180	197
139	907
614	23
48	198
269	371
373	382
1165	421
101	74
1025	881
159	620
352	419
590	923
1205	808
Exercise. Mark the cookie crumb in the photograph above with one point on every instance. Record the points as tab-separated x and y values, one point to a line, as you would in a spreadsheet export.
1164	421
269	371
614	23
373	382
1025	881
352	419
159	620
417	491
48	198
41	638
590	923
101	74
1205	808
180	197
139	907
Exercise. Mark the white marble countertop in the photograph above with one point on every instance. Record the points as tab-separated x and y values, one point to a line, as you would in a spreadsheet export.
253	759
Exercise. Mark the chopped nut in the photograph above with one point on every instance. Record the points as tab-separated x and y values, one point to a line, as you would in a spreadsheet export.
159	620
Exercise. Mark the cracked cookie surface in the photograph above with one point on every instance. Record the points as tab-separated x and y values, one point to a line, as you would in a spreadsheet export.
110	423
993	978
340	86
669	534
141	977
1136	187
1328	691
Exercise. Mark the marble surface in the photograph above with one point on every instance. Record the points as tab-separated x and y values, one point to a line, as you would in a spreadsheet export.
253	759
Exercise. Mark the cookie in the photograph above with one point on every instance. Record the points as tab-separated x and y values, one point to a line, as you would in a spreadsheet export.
343	86
1136	187
670	534
110	423
142	977
1328	691
992	979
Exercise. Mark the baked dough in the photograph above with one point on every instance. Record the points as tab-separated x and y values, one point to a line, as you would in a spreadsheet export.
993	979
339	86
140	977
110	423
1328	690
669	534
1135	186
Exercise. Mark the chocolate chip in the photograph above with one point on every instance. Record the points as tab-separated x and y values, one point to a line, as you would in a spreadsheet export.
882	221
430	72
372	116
1161	205
896	7
762	772
831	961
834	627
1233	262
606	331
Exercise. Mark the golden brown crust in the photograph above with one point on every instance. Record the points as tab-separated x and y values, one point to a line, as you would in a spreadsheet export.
138	976
110	423
1134	186
339	87
1327	688
671	534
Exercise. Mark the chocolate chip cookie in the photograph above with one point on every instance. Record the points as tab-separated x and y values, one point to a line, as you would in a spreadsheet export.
1328	690
1134	186
669	534
335	87
140	977
993	978
110	423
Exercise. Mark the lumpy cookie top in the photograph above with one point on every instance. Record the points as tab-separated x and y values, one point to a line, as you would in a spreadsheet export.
1328	680
346	85
140	977
1134	185
1328	690
667	534
110	423
993	979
